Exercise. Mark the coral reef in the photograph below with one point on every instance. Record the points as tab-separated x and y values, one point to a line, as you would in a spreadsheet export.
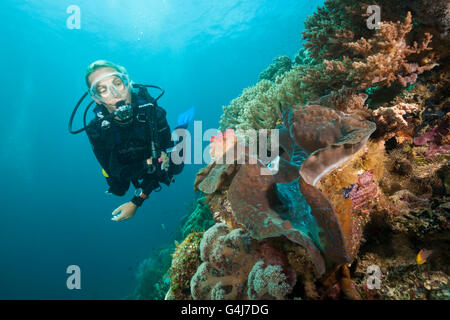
401	277
255	108
164	268
342	58
329	164
362	179
199	220
222	144
227	260
433	13
280	65
353	191
390	120
289	203
437	139
235	267
267	282
303	57
385	58
185	261
251	195
152	278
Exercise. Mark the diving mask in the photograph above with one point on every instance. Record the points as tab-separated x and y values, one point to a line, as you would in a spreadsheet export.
110	86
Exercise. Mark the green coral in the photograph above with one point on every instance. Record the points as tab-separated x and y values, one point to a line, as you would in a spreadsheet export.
153	280
332	25
258	107
185	262
199	220
240	108
281	65
303	57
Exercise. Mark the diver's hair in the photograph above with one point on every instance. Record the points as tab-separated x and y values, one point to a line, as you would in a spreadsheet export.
102	64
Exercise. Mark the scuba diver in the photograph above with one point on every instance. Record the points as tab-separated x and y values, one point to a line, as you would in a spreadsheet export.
129	134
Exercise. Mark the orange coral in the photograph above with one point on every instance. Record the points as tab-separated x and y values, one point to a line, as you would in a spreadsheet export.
386	56
380	59
221	143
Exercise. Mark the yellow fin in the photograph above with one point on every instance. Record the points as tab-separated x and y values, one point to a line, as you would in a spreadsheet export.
419	259
423	256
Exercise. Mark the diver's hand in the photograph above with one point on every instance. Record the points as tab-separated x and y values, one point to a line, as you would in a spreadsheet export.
125	211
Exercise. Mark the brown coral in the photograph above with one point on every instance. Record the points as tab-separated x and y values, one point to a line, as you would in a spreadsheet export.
329	136
386	56
214	177
251	196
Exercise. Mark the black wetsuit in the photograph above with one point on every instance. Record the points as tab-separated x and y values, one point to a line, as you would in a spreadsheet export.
122	149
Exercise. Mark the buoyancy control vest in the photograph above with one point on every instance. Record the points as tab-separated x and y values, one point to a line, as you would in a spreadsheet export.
121	147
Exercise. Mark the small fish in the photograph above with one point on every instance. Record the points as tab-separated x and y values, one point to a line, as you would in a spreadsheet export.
163	226
423	256
347	191
274	165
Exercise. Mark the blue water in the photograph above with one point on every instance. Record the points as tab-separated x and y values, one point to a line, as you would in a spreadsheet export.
54	211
